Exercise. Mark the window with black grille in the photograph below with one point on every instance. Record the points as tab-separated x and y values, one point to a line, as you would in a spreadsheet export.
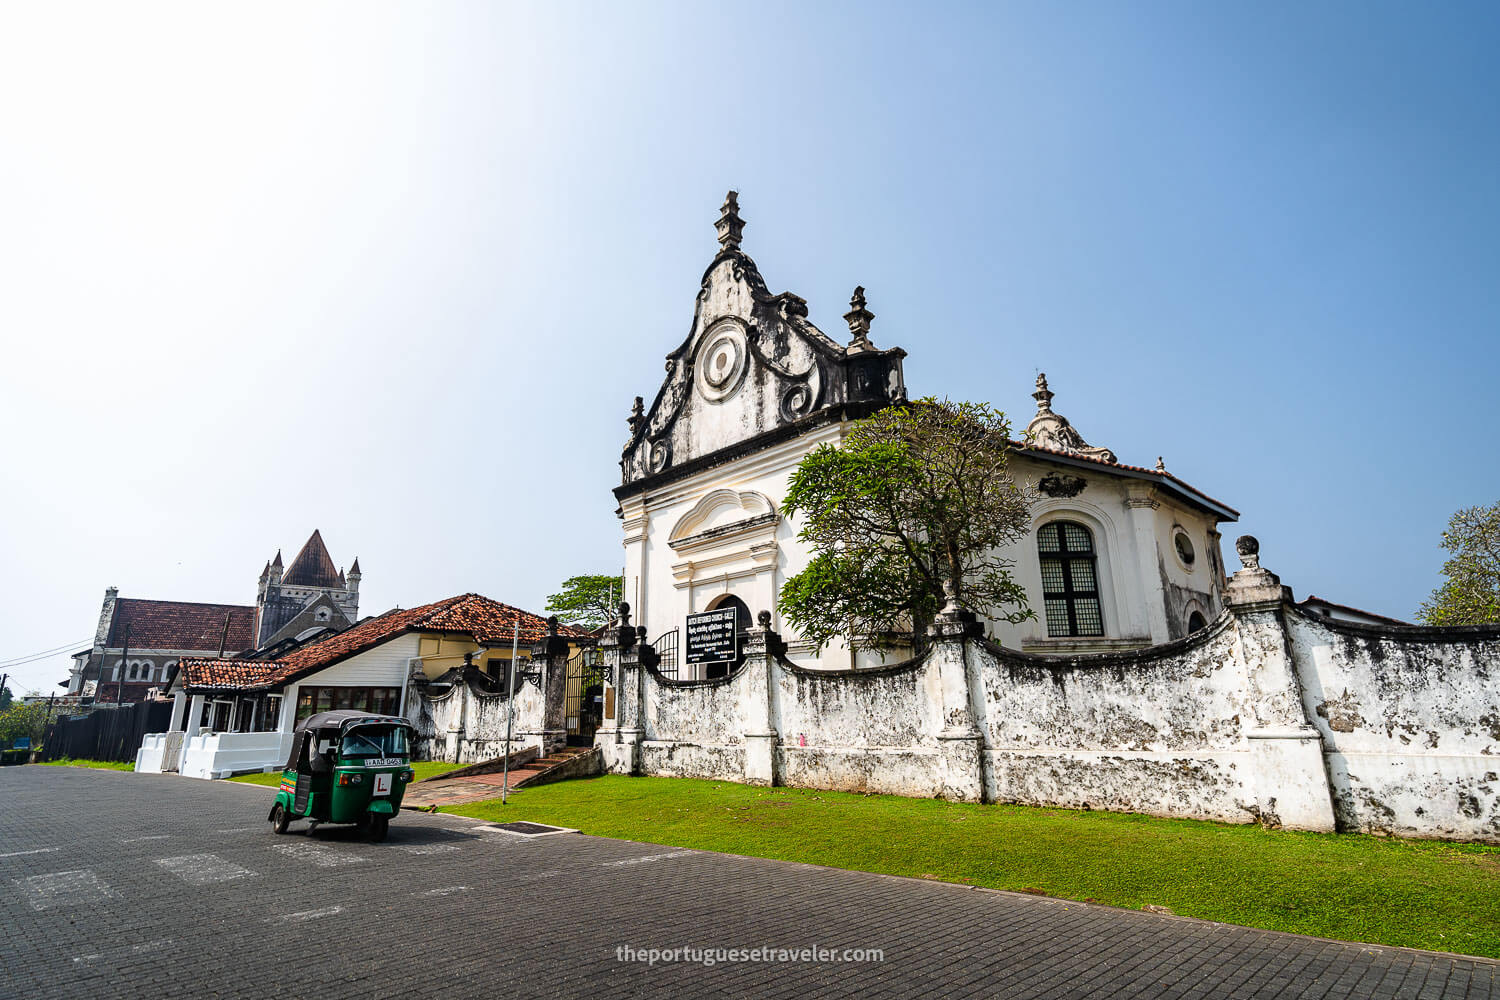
1070	585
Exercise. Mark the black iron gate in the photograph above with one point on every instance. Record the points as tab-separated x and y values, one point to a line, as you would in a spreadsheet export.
666	648
584	698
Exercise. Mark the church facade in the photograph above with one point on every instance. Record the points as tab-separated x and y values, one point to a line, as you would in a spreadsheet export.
138	643
1119	556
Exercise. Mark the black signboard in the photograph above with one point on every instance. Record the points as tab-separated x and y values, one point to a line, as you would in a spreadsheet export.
713	636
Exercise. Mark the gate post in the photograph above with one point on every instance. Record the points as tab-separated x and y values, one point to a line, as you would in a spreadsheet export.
619	740
762	647
960	742
553	650
1288	776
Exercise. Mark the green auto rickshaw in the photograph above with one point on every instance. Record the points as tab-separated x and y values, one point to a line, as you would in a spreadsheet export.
345	767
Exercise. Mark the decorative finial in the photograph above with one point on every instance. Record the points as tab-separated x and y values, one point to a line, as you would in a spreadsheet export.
1248	546
551	625
763	619
1043	395
1160	465
858	318
952	607
637	414
730	225
624	615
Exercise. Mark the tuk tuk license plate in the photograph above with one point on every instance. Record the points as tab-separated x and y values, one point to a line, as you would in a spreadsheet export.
382	784
384	761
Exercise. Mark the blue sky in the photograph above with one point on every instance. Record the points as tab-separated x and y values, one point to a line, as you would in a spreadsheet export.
396	272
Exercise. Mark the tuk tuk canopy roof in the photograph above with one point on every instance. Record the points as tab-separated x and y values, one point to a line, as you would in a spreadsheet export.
347	718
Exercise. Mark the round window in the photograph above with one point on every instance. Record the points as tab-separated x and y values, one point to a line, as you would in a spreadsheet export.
1184	548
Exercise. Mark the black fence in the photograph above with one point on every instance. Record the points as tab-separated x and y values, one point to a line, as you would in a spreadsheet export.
106	733
666	647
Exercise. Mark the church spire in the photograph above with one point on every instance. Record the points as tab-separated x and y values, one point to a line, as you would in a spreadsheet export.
730	225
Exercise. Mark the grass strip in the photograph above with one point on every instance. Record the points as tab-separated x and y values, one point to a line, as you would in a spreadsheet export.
105	765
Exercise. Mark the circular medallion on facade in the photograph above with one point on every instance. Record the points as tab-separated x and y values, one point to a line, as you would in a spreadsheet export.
796	402
721	363
661	454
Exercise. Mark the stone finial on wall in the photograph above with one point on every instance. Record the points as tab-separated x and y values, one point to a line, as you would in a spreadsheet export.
858	318
730	226
1248	547
1253	584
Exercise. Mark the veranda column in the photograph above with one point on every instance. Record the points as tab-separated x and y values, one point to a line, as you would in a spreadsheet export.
1288	775
759	675
179	711
620	738
960	742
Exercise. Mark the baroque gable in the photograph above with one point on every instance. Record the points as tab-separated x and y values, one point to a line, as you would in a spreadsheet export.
752	363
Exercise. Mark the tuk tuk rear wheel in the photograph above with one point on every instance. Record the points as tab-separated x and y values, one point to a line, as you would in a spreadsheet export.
279	819
379	823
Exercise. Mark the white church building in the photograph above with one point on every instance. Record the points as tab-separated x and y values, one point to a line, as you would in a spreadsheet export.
1119	557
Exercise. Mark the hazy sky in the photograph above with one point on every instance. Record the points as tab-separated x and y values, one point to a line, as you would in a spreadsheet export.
396	272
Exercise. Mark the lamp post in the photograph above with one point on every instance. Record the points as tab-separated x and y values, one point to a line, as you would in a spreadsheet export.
510	709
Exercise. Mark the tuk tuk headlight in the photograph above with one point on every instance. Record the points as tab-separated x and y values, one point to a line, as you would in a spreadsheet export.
356	779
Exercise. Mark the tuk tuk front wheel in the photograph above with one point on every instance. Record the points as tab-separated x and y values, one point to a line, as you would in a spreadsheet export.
379	823
279	819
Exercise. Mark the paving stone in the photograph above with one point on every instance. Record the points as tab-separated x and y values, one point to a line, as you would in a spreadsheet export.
443	908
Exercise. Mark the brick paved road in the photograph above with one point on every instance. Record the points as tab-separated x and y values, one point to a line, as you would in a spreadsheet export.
125	885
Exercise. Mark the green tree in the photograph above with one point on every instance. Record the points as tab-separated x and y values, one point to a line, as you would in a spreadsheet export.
587	601
5	697
23	720
916	497
1471	593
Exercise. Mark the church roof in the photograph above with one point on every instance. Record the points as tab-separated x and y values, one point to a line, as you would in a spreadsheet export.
313	567
467	614
1188	492
181	625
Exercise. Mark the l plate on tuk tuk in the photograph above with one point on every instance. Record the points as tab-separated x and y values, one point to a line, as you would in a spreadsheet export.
345	767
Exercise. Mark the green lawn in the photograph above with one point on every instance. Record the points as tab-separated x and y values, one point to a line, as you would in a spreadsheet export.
1421	894
424	769
107	765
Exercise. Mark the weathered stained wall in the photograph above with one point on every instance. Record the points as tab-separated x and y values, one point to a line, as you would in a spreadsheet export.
1265	715
1156	731
464	724
1410	723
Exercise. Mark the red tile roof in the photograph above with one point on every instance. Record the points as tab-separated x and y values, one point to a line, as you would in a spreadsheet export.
1153	473
225	675
181	625
1314	600
313	566
472	615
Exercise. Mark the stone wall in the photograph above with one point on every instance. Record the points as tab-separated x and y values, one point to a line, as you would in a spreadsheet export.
464	722
1410	724
1264	715
1157	731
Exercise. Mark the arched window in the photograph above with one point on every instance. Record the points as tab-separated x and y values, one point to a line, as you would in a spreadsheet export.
1070	579
1196	621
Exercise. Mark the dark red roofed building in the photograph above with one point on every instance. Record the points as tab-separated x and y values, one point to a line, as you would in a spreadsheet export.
138	643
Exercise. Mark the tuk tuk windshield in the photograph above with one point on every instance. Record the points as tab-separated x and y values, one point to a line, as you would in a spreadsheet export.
375	741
